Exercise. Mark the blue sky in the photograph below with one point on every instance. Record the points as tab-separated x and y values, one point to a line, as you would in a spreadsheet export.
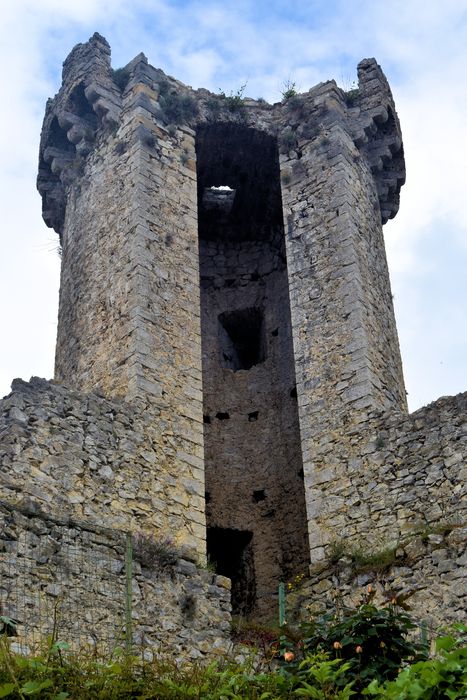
422	49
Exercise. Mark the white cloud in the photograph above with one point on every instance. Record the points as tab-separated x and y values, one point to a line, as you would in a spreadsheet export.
422	48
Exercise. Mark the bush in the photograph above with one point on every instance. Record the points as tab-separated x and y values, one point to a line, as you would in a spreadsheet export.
178	109
373	641
441	678
121	77
155	554
58	674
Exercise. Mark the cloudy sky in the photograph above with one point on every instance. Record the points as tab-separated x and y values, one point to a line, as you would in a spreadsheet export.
422	47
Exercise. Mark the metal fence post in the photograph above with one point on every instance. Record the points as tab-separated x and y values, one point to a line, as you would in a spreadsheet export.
128	593
281	604
282	639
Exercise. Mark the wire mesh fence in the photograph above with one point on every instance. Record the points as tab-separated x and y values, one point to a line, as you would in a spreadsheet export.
63	580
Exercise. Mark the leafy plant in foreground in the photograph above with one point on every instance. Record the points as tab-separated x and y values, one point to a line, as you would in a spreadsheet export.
441	678
373	641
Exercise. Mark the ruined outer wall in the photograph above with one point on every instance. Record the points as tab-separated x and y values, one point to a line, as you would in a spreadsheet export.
391	474
70	573
98	459
399	482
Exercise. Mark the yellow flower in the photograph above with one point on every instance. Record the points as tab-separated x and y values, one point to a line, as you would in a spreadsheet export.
337	645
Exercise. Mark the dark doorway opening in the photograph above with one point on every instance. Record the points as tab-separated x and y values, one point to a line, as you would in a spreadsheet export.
231	552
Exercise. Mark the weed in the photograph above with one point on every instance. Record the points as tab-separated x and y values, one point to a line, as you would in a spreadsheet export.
214	105
121	77
351	95
155	554
379	560
288	89
233	101
178	109
379	442
294	103
445	676
336	551
358	655
360	559
288	140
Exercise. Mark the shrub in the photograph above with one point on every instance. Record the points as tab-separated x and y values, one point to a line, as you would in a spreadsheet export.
444	677
233	101
351	96
288	89
155	554
121	77
178	109
373	641
288	140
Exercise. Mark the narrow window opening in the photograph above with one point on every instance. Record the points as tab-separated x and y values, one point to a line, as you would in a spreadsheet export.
253	416
275	332
241	335
206	419
222	415
231	551
293	392
259	496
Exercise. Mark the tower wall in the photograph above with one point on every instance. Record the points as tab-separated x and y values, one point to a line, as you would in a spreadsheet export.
268	310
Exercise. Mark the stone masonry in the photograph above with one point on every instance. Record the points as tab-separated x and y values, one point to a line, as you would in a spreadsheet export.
227	363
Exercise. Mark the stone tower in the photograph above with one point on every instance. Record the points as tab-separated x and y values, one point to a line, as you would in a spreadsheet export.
224	270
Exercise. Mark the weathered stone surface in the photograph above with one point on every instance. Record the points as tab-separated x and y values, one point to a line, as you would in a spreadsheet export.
79	572
242	345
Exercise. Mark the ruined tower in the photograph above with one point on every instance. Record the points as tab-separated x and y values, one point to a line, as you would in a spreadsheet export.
223	260
228	379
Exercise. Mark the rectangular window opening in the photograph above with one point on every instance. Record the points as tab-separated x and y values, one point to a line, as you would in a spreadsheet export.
241	335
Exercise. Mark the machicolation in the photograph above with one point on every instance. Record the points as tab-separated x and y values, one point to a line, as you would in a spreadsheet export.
228	384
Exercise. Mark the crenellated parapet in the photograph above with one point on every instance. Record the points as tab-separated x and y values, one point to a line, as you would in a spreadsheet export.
376	131
93	98
87	104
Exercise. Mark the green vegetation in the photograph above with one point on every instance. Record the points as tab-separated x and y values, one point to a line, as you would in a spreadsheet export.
288	140
367	652
155	554
234	101
288	89
444	676
176	109
375	642
360	559
121	77
351	95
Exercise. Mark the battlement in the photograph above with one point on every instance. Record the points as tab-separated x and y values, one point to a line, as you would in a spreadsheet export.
94	98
